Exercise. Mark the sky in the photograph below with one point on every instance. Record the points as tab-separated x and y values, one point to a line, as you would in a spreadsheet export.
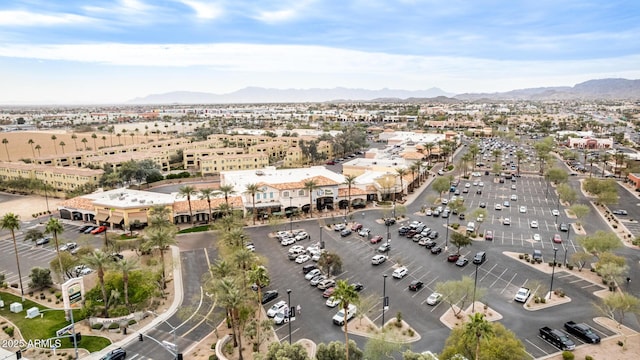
99	51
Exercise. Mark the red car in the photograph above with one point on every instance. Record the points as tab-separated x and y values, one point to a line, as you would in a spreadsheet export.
488	235
453	257
376	239
327	293
557	239
356	227
99	229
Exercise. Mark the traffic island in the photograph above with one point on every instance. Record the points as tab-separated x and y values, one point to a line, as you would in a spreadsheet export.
457	317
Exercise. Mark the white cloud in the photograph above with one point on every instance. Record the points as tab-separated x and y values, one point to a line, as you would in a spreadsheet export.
26	18
203	10
289	11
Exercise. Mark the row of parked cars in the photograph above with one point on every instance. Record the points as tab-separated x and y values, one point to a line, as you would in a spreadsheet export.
561	340
287	238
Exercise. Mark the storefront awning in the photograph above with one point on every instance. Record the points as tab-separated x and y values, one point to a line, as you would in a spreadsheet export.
116	219
265	205
141	217
102	216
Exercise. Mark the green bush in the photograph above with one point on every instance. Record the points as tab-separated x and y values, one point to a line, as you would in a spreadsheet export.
588	357
97	326
113	326
9	331
132	322
567	355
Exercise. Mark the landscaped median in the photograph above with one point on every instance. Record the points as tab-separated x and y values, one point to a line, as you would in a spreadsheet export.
45	326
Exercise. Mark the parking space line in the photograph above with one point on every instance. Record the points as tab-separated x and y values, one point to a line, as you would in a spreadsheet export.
537	347
498	278
488	272
509	283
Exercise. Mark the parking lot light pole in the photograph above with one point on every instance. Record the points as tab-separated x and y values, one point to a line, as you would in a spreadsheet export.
553	270
321	242
68	316
475	284
384	297
289	305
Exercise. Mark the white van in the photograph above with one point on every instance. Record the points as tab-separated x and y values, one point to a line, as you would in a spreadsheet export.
339	318
471	227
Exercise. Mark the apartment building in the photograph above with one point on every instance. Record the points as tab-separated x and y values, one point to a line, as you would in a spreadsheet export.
192	158
214	164
59	179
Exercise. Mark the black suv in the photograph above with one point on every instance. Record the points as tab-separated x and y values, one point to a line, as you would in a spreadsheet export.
117	354
389	221
403	230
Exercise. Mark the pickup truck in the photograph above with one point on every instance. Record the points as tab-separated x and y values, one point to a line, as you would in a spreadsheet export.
582	331
557	338
522	295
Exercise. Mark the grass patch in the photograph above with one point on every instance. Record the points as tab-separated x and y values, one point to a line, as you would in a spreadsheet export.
46	327
194	229
91	343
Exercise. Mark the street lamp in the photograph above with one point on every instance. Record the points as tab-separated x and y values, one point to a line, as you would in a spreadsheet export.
289	305
321	242
475	284
384	297
553	270
290	214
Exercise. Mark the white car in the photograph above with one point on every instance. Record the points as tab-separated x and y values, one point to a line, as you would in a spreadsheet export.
444	201
276	308
280	317
555	212
522	295
340	318
467	185
68	246
400	272
296	248
251	247
481	184
316	257
480	218
303	259
434	299
534	224
326	283
498	207
506	221
282	234
339	227
523	209
313	273
332	302
378	259
364	232
514	197
475	183
536	237
287	241
302	236
513	187
317	280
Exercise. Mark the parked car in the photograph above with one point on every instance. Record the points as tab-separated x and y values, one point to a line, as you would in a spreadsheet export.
90	229
277	307
43	240
430	244
555	212
333	302
620	212
536	237
357	286
556	238
389	221
564	227
325	284
453	257
436	250
400	272
99	230
506	221
303	259
462	261
356	227
557	338
317	280
582	331
268	296
384	247
522	295
434	299
534	224
378	259
488	235
328	292
339	227
376	239
340	318
364	232
523	210
416	285
345	232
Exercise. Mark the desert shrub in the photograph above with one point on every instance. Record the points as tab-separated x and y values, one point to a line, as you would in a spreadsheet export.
588	357
8	330
568	355
113	326
132	322
97	326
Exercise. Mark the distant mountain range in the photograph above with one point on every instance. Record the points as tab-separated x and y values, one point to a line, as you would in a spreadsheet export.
588	90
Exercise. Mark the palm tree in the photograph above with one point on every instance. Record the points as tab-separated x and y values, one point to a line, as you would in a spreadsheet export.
6	142
474	150
227	190
464	163
207	194
62	145
412	169
310	185
119	135
100	261
231	298
429	147
84	142
94	137
253	189
11	222
38	147
161	237
418	164
159	216
258	275
31	142
349	180
104	141
55	227
401	172
347	295
244	258
477	328
496	154
188	191
221	269
74	137
126	266
519	156
54	138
